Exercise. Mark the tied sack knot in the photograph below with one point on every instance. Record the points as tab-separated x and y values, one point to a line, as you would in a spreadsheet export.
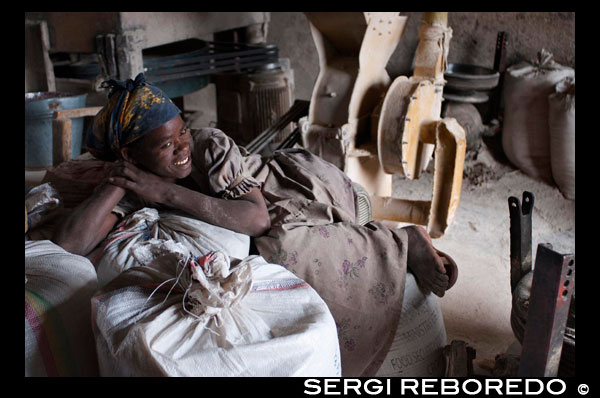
544	62
215	285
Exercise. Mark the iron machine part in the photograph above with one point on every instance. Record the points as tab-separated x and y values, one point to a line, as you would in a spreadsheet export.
520	237
551	290
543	304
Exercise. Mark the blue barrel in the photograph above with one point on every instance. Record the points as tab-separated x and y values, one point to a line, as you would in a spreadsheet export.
39	108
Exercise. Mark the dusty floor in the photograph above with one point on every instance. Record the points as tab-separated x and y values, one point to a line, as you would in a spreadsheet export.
477	309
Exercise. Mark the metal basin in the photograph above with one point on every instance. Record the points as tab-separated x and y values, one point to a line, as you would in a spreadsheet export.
464	77
39	108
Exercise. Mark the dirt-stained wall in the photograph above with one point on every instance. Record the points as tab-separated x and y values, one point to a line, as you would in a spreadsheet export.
473	40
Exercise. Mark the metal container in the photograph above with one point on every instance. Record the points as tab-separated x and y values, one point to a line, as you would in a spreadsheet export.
39	108
248	103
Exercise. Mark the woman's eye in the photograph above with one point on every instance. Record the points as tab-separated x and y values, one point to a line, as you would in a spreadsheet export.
165	146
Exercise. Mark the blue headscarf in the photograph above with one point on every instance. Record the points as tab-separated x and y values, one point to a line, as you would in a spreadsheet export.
134	108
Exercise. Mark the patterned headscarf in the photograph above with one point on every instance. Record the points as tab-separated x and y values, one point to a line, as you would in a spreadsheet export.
134	108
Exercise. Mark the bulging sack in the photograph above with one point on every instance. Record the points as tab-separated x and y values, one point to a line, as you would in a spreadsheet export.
115	253
561	119
58	289
417	348
182	315
525	132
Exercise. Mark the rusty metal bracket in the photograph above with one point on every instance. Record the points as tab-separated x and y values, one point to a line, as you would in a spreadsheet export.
552	287
520	237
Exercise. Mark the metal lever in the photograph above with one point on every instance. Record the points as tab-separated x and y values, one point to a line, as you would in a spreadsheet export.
520	237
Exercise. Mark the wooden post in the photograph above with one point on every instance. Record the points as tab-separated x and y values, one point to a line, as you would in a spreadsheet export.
431	54
61	141
436	17
129	57
39	71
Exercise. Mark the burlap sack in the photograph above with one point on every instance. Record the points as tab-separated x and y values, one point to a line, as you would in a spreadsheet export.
561	119
525	133
58	333
179	315
417	349
114	254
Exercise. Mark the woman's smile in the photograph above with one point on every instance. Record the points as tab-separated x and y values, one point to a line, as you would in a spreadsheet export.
183	162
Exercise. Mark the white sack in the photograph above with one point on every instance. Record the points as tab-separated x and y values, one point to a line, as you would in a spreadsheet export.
253	319
198	237
525	132
418	346
58	333
561	119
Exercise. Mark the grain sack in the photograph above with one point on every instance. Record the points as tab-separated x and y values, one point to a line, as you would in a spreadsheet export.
417	348
58	332
181	315
561	119
41	202
525	133
114	254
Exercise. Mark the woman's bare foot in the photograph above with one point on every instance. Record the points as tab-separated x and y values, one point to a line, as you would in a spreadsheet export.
428	265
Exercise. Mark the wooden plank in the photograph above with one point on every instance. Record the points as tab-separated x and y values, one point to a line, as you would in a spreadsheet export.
391	124
39	71
61	141
450	150
75	113
400	210
110	56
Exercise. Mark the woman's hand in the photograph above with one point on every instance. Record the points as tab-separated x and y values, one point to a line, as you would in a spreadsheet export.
126	175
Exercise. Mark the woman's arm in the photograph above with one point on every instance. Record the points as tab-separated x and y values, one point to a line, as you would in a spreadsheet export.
247	214
90	222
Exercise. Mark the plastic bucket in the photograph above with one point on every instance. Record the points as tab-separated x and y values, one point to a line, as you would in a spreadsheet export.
39	108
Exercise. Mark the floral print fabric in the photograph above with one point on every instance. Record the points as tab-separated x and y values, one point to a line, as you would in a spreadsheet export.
358	270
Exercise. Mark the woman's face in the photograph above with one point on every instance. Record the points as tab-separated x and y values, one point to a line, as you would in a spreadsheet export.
165	151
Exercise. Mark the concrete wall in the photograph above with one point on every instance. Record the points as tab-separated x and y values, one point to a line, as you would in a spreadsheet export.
473	41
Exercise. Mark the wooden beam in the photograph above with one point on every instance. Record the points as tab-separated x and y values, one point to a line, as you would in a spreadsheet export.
39	71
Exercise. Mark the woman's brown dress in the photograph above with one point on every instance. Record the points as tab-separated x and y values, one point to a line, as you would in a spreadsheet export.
358	270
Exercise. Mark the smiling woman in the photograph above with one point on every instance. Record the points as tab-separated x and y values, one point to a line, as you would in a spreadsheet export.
165	151
299	208
142	130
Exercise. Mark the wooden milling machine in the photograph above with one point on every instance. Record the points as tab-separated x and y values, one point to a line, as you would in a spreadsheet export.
371	127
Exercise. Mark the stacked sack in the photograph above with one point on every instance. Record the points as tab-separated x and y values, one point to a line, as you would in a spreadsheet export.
183	315
114	254
58	289
562	135
418	346
529	118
